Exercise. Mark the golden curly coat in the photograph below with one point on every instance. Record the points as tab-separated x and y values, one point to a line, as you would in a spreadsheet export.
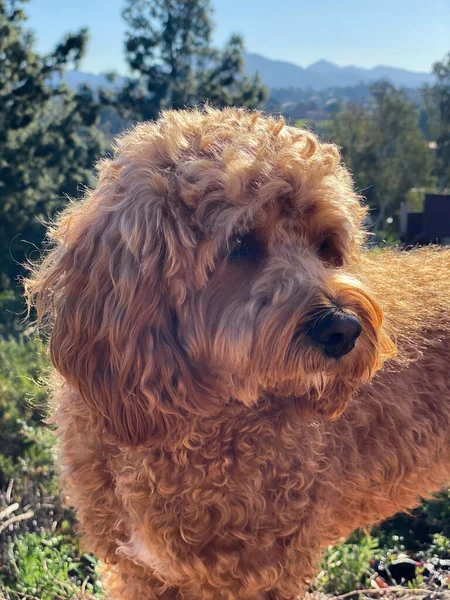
211	447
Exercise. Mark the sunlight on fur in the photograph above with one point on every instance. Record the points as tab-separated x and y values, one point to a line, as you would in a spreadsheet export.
228	395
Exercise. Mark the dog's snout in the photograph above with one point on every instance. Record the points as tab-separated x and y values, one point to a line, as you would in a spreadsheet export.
336	333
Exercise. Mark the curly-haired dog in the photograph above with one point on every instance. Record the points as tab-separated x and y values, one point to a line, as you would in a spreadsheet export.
216	336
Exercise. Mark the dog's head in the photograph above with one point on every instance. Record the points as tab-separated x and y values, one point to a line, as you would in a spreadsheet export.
216	260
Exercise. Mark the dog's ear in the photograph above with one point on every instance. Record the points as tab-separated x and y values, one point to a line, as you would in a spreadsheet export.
112	285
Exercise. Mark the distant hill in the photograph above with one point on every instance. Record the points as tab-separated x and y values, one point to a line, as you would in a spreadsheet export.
76	78
280	74
323	74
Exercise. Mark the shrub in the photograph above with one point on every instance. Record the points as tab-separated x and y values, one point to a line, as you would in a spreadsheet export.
48	566
348	567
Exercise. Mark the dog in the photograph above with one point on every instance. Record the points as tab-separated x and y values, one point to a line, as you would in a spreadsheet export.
229	397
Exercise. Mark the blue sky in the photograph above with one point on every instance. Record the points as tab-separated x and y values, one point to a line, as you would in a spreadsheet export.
404	33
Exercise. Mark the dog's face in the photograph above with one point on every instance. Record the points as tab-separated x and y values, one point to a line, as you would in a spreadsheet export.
217	260
282	312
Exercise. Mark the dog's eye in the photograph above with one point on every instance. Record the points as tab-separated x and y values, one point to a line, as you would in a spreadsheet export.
329	253
239	245
246	246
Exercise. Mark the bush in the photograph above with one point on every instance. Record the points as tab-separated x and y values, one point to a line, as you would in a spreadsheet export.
22	398
40	553
48	566
348	567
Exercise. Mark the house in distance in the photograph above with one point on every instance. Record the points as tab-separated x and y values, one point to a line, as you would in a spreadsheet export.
432	226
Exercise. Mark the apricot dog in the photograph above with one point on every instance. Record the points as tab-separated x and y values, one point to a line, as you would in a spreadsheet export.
228	397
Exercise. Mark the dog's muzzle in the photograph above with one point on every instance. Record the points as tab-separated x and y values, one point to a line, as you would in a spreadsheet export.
335	333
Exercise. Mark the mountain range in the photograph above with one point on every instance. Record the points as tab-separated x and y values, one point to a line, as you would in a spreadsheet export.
280	74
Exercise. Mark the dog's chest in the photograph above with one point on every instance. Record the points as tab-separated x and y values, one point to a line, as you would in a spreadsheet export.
230	485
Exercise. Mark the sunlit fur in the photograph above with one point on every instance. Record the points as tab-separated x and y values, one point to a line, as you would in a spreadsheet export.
210	448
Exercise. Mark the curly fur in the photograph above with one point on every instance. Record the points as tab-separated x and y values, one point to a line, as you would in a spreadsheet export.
210	449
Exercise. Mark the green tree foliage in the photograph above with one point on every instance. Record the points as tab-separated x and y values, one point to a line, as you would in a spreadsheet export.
168	47
48	143
437	100
384	147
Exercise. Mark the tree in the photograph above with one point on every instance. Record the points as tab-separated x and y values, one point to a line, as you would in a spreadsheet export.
168	46
48	143
437	101
384	147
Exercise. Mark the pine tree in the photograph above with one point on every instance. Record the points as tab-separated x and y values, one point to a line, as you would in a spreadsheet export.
168	47
48	143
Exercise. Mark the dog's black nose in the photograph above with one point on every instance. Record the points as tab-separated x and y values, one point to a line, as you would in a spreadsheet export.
336	333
